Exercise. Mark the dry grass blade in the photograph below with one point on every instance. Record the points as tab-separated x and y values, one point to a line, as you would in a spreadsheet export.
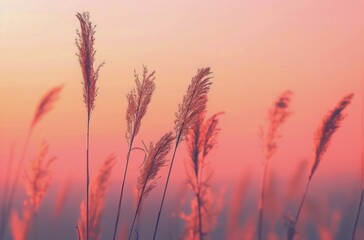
138	101
85	42
194	102
46	104
97	199
329	126
155	160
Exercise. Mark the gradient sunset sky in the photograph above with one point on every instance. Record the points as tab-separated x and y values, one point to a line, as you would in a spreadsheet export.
256	50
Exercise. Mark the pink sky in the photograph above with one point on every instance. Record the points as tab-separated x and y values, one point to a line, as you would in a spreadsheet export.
256	49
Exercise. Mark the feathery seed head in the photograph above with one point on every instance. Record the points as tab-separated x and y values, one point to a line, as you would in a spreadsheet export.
46	104
156	159
194	102
324	133
85	42
277	115
138	101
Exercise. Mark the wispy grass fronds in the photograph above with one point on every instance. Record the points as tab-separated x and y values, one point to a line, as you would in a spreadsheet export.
277	115
155	160
201	139
331	122
46	104
138	101
37	177
193	104
210	132
85	42
36	182
329	126
97	199
211	207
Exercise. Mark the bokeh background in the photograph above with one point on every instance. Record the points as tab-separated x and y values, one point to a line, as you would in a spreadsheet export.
256	50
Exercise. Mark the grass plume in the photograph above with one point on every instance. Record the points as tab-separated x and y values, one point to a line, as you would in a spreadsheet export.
85	42
277	115
45	105
193	104
97	198
36	182
201	139
138	101
331	122
155	160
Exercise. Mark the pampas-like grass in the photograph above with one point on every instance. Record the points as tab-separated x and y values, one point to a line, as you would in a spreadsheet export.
85	42
277	115
37	178
36	182
193	104
331	122
155	160
201	139
45	105
138	101
212	205
97	199
324	133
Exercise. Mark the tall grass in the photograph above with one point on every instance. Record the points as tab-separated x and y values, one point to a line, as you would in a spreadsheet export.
194	102
45	105
36	182
97	199
277	115
361	168
155	160
138	101
322	139
201	139
85	41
